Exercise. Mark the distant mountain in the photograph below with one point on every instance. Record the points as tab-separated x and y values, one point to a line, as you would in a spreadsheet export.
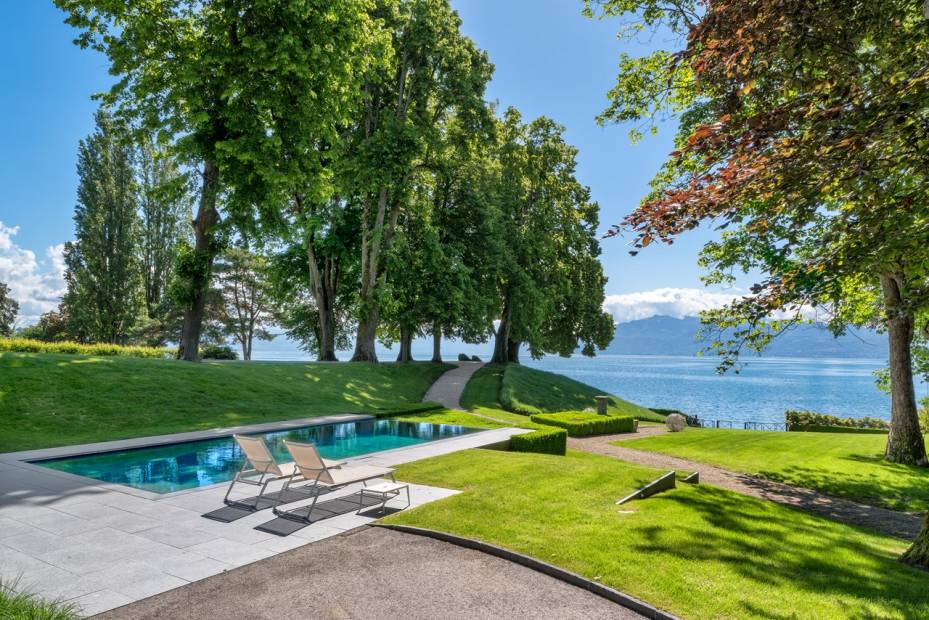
665	335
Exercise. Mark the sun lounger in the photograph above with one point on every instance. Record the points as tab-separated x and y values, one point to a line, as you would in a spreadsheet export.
319	475
260	468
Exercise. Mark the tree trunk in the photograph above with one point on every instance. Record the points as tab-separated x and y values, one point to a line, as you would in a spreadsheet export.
365	338
905	442
406	345
207	218
512	352
918	553
324	285
436	343
503	347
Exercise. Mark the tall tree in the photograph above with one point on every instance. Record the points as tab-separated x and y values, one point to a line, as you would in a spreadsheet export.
246	309
805	134
209	75
433	71
550	281
104	295
165	207
9	308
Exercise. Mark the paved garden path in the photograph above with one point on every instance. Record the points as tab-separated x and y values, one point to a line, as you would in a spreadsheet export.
903	525
377	573
448	388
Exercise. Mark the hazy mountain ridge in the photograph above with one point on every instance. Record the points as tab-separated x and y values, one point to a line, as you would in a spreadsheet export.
665	335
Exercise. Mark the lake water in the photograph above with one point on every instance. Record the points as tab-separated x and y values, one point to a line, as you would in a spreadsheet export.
764	389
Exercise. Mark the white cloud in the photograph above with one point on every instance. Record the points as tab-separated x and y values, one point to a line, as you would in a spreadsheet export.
675	302
37	287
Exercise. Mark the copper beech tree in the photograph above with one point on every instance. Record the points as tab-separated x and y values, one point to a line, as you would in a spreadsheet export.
805	135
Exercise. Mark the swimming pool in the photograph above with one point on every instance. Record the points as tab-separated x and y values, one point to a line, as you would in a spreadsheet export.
175	467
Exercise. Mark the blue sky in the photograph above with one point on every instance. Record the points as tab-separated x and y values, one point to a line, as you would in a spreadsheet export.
549	59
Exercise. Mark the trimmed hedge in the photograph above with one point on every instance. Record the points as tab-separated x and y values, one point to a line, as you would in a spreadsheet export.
27	345
548	440
844	429
584	424
804	420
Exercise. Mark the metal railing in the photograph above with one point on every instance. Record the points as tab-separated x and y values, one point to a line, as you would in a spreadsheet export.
740	424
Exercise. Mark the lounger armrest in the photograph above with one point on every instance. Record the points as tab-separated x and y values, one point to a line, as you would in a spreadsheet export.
333	464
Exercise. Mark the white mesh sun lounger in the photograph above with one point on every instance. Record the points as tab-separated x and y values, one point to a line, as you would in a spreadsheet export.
319	474
260	468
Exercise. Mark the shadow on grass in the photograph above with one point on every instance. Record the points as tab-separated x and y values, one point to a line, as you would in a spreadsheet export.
751	539
904	487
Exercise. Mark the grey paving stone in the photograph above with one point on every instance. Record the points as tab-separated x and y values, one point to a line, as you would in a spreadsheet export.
34	541
100	601
231	552
61	523
177	535
193	567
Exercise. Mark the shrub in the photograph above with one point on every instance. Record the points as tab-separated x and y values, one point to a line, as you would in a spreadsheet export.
802	420
582	424
844	429
218	352
27	345
475	358
18	604
463	358
924	415
547	440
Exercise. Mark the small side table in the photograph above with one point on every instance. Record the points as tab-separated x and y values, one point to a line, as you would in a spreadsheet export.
384	491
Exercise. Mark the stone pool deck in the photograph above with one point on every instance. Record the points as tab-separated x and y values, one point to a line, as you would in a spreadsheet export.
102	545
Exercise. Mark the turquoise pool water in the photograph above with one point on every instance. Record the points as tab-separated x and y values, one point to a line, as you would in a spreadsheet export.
175	467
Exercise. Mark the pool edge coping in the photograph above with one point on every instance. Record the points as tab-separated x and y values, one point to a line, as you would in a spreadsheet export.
23	458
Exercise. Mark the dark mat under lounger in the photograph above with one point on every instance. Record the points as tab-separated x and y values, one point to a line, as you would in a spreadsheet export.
238	509
296	518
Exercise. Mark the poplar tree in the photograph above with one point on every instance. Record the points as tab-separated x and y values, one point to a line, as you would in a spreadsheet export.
9	308
104	279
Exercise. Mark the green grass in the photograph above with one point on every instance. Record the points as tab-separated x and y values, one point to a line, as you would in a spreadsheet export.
843	464
698	551
450	416
18	605
55	400
526	390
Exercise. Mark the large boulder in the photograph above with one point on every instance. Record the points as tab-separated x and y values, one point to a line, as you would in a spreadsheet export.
676	422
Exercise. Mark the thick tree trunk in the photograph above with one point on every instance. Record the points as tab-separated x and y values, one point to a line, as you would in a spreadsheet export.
502	337
918	553
905	442
406	345
512	352
324	284
207	218
365	339
436	343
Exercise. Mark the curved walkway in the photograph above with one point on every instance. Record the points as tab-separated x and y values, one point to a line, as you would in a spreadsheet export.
903	525
377	573
448	388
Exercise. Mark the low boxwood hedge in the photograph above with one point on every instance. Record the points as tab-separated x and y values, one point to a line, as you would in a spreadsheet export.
844	429
547	440
584	424
28	345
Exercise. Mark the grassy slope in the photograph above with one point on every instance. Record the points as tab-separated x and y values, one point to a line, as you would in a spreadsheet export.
526	390
54	400
700	552
844	464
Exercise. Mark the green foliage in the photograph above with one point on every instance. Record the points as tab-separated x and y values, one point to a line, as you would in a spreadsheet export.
463	358
28	345
104	277
9	308
584	424
218	352
53	326
843	429
246	309
846	465
801	420
924	415
696	552
56	400
550	281
546	440
16	604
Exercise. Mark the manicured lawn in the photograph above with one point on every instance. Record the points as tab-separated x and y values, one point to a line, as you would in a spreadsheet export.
844	464
525	390
700	552
55	400
449	416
